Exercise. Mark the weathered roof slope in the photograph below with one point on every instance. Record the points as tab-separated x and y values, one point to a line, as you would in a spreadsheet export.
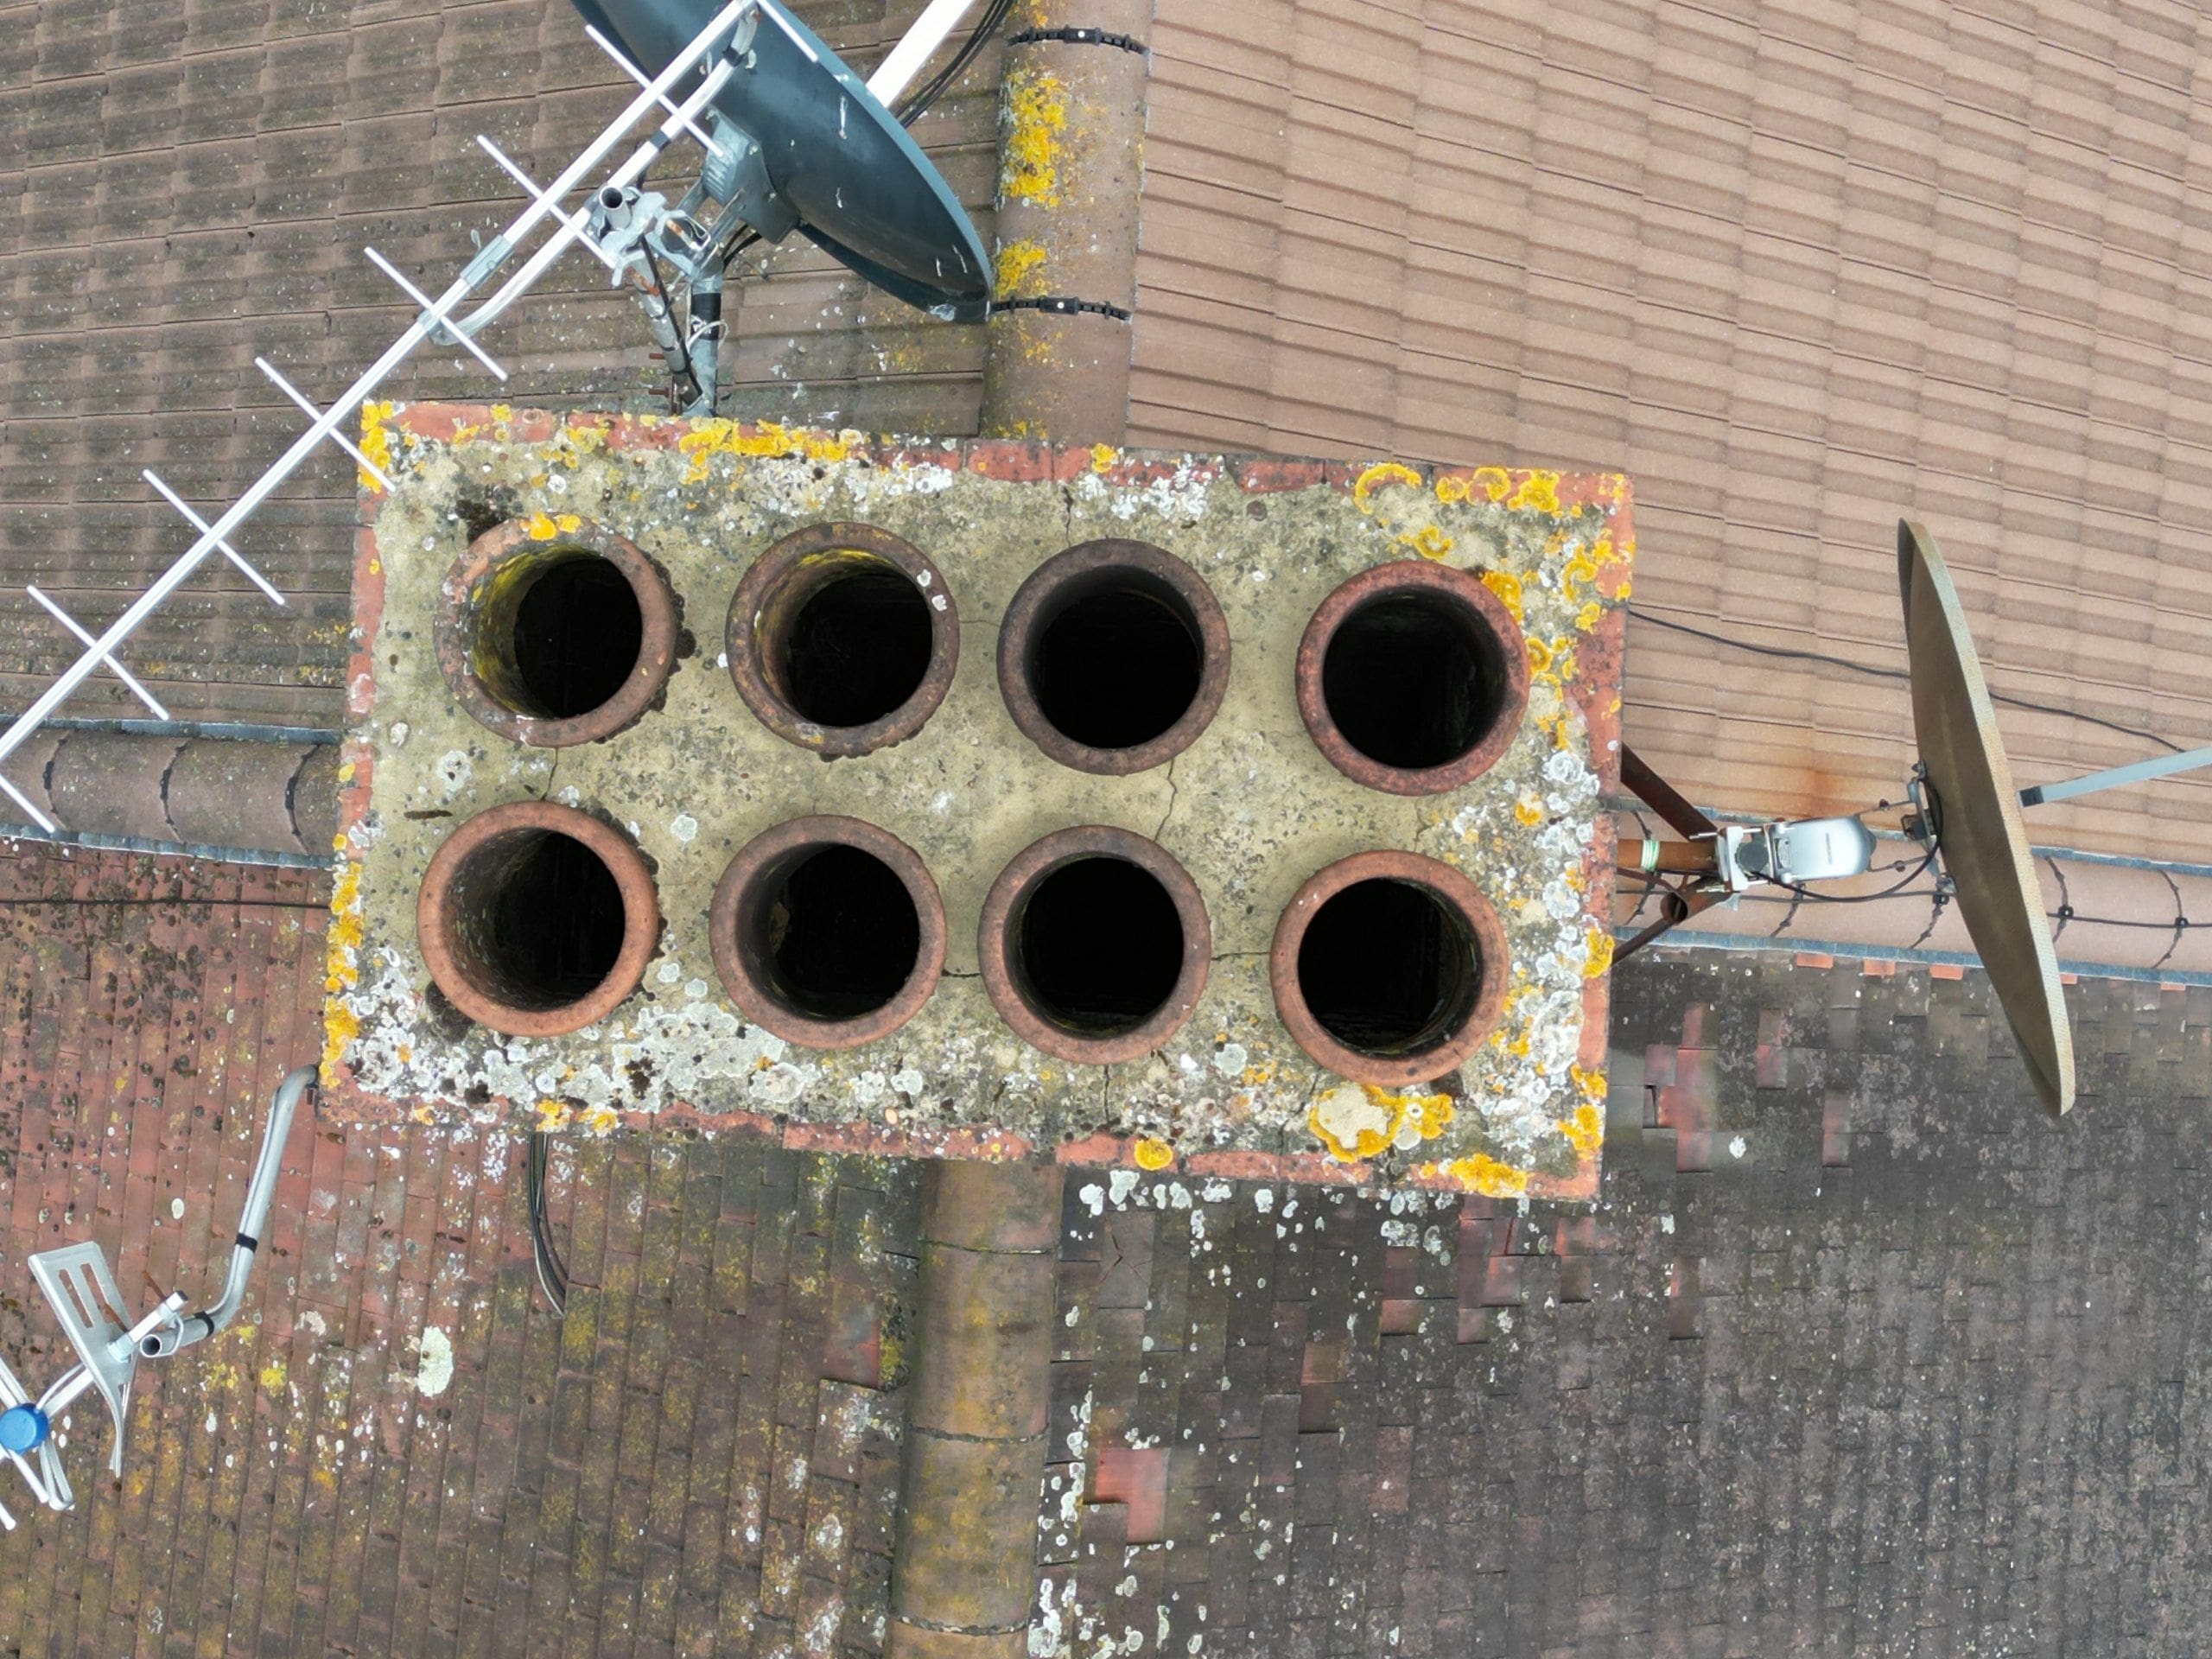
1800	268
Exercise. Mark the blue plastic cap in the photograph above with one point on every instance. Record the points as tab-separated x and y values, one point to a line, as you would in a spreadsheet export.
22	1429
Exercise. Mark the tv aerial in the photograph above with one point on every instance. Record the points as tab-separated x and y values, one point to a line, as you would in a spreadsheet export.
1965	814
788	139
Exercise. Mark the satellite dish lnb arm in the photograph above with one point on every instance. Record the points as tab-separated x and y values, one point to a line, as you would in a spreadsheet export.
2136	773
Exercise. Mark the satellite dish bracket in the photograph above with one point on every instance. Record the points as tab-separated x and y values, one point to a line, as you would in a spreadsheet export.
1714	862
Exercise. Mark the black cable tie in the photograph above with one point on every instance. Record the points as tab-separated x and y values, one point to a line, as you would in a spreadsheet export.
1075	37
249	1241
1061	305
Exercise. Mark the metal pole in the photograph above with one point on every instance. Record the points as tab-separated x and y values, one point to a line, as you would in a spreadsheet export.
2159	766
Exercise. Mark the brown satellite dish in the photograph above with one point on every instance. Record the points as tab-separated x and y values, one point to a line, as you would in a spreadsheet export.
1976	813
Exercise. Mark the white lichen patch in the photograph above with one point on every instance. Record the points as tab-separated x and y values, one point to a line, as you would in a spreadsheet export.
434	1368
1349	1112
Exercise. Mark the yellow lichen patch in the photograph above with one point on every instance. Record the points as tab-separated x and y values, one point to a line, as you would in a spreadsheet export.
1492	482
707	439
1430	543
1429	1114
1102	455
1507	587
1527	812
1540	657
1485	1174
1539	490
1383	472
544	527
339	1027
1624	589
1153	1154
1586	618
376	441
1576	572
575	442
1018	269
552	1116
1357	1121
344	938
340	971
601	1119
272	1376
1601	952
1585	1131
1033	116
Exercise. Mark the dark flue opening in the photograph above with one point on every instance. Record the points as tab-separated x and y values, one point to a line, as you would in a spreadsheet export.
556	922
842	933
1116	666
578	632
1412	680
1388	967
858	647
1099	945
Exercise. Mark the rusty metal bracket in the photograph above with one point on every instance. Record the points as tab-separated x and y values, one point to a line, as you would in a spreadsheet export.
1692	894
1663	797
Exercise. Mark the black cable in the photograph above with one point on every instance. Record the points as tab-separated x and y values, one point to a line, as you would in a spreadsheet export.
653	265
552	1271
919	102
1844	662
2069	914
1917	870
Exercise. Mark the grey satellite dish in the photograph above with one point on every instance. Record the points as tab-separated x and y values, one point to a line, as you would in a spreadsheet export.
838	167
1968	818
1975	817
